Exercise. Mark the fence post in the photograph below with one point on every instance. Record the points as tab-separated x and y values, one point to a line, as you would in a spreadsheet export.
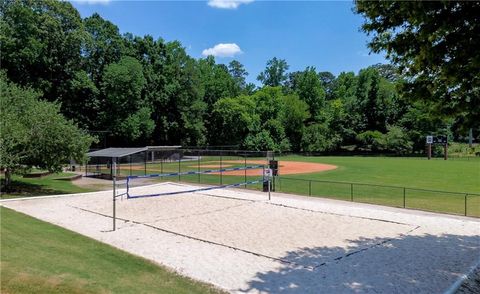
221	173
245	166
198	160
466	195
310	188
179	176
351	192
404	192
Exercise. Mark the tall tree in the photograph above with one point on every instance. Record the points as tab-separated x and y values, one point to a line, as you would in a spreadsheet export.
232	118
103	45
435	44
238	72
127	115
41	41
309	88
179	117
293	119
216	81
275	74
327	80
345	92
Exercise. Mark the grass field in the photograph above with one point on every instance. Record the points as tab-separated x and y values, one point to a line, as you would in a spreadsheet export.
47	185
381	180
66	262
437	174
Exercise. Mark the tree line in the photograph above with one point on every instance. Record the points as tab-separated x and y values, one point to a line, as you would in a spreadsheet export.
146	91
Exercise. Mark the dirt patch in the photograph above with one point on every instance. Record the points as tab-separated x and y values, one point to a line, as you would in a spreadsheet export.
211	166
284	168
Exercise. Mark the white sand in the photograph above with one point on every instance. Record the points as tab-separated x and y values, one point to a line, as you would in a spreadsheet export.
287	245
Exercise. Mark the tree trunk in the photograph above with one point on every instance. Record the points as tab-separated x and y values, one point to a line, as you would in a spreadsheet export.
8	179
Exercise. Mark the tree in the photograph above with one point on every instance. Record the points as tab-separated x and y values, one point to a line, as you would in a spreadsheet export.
41	41
293	120
307	85
318	137
275	74
238	72
345	91
35	134
179	116
122	85
103	45
232	118
216	81
327	80
435	44
387	71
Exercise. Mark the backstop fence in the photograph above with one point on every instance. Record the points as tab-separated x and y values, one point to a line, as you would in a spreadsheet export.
182	161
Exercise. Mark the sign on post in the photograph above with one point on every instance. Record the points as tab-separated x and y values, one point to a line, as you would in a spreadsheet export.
268	173
437	140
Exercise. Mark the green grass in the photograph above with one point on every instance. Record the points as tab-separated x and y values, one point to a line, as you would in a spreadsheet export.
47	185
385	178
436	174
38	257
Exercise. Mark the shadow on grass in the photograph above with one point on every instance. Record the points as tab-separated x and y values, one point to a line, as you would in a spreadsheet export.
19	189
408	264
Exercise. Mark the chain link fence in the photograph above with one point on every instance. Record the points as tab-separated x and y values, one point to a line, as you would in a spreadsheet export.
467	204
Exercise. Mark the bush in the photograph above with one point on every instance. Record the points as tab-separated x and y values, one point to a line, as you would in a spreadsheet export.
397	140
372	140
318	138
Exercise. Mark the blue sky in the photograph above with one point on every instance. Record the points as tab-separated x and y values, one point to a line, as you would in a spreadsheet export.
324	34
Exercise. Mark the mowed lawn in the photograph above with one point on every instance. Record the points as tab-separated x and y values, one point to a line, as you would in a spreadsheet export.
38	257
422	179
47	185
457	175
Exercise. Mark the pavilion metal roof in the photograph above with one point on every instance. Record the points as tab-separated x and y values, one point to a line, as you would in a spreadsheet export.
116	152
160	148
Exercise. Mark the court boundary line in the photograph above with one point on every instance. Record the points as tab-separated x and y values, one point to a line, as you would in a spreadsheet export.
294	207
196	239
292	263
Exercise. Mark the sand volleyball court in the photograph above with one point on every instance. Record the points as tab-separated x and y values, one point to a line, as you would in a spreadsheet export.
240	241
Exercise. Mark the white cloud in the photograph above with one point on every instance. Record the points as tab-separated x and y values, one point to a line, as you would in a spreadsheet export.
227	4
223	50
92	2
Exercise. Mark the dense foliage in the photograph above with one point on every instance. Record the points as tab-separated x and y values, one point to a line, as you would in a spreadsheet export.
142	91
35	134
436	46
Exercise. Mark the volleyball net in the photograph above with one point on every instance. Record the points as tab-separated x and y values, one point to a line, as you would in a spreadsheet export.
131	181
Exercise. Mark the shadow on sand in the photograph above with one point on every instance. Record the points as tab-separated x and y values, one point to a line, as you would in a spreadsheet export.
407	264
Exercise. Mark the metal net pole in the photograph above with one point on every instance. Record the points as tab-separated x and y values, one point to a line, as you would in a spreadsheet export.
114	175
